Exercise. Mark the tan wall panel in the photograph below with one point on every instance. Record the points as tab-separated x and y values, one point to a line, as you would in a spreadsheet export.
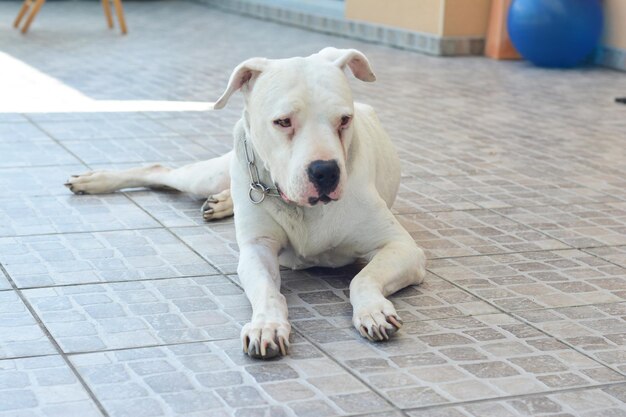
417	15
615	23
466	17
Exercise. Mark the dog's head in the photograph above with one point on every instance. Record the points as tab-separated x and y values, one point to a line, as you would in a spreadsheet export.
300	115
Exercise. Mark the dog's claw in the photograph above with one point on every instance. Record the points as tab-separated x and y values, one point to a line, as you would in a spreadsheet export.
377	321
265	340
383	332
395	321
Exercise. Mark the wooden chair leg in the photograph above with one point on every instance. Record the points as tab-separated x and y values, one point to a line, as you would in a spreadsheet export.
20	15
120	15
33	13
107	13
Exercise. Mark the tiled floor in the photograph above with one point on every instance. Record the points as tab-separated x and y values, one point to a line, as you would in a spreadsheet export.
128	304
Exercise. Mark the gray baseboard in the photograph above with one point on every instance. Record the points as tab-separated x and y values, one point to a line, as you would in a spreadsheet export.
337	25
611	57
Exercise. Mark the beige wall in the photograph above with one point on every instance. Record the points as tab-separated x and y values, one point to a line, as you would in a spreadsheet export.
615	24
416	15
466	17
439	17
463	17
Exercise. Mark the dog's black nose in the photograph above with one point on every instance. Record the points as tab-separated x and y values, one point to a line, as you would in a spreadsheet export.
324	175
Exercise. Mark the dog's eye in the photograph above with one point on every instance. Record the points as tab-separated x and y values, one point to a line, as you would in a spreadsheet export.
345	120
283	122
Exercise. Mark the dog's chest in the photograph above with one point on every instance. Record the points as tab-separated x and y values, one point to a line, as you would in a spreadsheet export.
321	236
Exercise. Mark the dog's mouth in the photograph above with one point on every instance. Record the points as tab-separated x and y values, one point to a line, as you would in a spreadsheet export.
323	198
284	197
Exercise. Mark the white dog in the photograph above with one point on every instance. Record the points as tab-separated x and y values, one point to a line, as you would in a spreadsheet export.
312	178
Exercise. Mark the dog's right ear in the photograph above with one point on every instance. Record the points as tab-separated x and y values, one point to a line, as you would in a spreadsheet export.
355	60
242	76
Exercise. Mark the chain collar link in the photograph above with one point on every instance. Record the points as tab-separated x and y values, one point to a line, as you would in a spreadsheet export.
258	190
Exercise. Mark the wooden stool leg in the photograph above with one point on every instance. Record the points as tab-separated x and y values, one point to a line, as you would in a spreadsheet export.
33	13
120	15
107	13
20	15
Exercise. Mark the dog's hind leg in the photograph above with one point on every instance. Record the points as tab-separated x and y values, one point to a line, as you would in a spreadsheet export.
204	178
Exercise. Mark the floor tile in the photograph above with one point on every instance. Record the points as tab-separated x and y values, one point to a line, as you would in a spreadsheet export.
88	130
139	150
319	298
465	359
18	132
584	225
416	196
20	335
12	117
37	181
598	330
615	254
38	118
217	379
473	232
534	280
594	402
215	242
613	184
21	216
95	317
515	190
29	152
4	282
172	209
38	261
43	386
196	125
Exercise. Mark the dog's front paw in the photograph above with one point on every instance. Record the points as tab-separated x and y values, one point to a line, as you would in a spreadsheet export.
376	320
266	339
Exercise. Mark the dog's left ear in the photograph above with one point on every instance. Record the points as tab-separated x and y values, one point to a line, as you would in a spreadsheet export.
243	75
355	60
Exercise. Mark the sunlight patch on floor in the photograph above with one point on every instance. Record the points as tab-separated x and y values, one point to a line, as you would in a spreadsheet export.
25	89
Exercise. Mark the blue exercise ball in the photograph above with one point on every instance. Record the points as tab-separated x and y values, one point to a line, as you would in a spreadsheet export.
555	33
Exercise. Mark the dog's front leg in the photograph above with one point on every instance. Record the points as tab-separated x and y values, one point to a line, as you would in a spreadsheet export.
267	334
397	264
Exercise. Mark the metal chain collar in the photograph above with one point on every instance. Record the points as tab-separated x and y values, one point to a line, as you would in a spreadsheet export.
258	190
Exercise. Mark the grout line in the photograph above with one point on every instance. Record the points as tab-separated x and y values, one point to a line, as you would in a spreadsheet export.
583	249
515	316
54	343
586	250
554	391
80	284
82	232
341	365
122	349
36	125
41	166
43	355
513	397
571	346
